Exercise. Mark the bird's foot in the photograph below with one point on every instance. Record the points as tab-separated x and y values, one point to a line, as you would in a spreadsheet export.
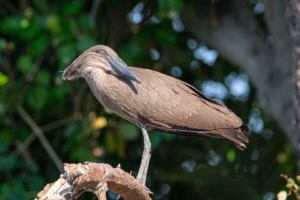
148	190
143	183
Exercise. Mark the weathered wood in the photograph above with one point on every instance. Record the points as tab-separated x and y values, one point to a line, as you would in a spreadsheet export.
96	178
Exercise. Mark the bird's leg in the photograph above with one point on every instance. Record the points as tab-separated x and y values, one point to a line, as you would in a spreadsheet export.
142	175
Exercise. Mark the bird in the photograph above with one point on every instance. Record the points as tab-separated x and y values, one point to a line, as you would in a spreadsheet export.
154	101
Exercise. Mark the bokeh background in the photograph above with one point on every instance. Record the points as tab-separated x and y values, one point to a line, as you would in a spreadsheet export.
45	121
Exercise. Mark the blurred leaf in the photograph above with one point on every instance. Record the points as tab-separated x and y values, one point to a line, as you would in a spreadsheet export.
120	145
16	196
59	91
33	168
11	25
69	27
99	122
155	138
9	162
168	8
230	155
2	43
107	111
43	77
290	180
85	43
65	54
19	188
4	190
24	64
72	7
2	146
32	30
134	55
37	97
53	24
129	131
71	128
25	23
3	79
167	136
165	36
86	23
35	182
81	153
39	44
110	142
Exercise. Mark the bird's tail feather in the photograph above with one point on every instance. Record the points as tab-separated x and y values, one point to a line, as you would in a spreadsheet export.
237	136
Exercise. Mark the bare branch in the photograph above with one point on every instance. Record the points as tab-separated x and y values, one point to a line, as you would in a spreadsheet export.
48	127
39	133
96	178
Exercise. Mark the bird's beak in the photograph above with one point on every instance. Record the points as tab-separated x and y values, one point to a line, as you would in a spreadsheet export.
70	73
120	67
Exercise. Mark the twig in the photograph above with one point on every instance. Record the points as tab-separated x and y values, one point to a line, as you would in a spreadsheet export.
291	189
96	178
55	124
39	133
95	8
22	146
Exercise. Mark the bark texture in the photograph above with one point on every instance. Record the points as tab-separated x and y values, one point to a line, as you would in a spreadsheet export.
293	14
232	28
96	178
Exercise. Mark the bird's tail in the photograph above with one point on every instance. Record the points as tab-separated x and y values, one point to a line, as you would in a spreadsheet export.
237	136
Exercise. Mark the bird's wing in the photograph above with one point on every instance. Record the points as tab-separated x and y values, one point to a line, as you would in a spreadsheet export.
170	105
177	104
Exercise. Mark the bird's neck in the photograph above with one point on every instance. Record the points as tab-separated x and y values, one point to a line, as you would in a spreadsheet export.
95	78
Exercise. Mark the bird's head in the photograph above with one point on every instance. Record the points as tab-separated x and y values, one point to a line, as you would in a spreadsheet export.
99	57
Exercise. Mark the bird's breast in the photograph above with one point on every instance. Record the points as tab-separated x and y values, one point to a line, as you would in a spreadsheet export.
117	95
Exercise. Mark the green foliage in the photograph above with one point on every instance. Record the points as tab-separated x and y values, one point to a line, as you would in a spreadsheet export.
3	79
37	45
230	155
24	64
129	131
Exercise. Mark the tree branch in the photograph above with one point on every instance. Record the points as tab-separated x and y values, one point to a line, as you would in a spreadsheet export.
96	178
39	133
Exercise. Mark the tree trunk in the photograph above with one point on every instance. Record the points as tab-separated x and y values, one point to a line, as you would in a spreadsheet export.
293	14
232	28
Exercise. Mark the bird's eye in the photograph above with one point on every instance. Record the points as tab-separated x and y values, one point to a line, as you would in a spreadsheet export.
102	53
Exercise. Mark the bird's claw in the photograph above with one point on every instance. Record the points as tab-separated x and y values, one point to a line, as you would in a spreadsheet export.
148	190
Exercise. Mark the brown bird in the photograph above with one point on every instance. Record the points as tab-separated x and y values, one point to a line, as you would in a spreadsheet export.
154	101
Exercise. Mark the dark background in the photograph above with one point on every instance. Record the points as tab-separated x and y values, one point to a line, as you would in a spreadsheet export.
237	52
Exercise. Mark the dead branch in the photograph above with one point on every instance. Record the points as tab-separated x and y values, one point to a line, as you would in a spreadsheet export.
96	178
40	134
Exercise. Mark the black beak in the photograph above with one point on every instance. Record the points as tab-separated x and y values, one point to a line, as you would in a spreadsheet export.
120	67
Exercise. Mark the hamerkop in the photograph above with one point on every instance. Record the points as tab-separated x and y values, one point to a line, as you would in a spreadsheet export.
154	101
